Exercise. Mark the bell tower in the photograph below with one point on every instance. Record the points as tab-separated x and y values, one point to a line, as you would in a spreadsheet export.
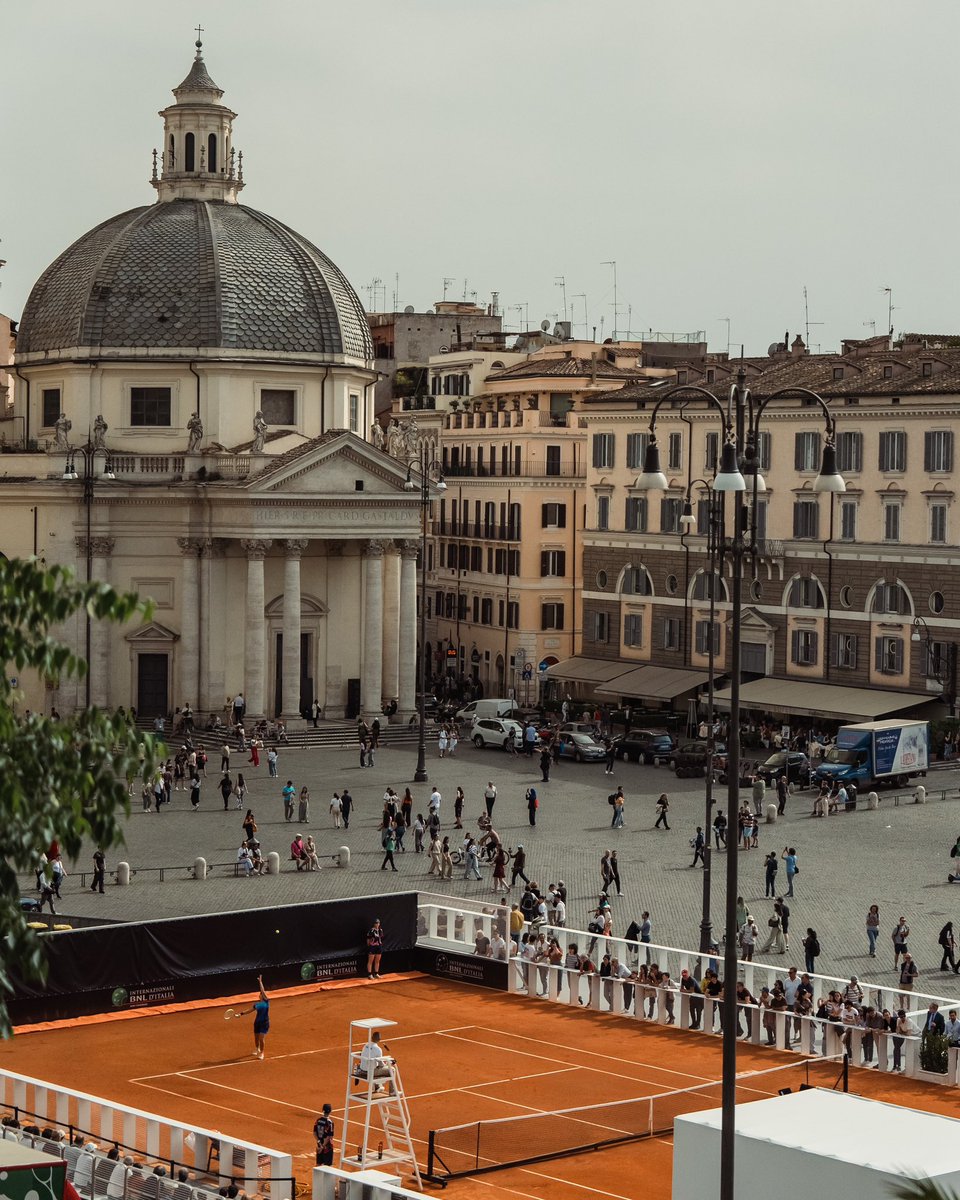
198	161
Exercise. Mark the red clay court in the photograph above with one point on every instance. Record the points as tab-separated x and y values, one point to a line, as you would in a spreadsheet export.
465	1054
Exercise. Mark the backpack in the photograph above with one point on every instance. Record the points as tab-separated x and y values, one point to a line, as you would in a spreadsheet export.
612	798
814	948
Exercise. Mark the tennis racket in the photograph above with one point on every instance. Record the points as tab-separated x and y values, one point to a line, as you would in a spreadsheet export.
229	1014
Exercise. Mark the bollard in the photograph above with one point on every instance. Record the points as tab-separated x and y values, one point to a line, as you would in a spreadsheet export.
199	868
343	857
771	814
920	795
273	863
873	800
123	874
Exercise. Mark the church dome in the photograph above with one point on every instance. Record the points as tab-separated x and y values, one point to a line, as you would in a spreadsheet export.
187	274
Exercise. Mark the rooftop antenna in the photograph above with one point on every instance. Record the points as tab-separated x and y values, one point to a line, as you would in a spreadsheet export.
726	320
465	291
872	326
447	280
561	283
612	263
586	320
806	318
889	292
519	308
396	290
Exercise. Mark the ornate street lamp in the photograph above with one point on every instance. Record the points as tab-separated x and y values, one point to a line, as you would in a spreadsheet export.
430	483
942	668
740	418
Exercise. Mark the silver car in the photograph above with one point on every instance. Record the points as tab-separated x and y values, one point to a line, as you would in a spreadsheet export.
496	731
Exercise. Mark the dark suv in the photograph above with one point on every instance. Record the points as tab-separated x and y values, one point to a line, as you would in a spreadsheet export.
648	744
793	763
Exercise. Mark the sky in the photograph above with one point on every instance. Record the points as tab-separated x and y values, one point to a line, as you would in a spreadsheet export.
725	156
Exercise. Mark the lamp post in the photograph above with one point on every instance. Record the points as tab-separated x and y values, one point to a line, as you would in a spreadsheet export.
87	454
937	666
740	419
431	476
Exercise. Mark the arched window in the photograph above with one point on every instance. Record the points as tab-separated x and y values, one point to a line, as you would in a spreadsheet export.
636	582
173	152
805	592
891	598
704	583
188	153
212	153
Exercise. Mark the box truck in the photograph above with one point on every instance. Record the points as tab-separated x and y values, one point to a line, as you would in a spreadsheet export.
875	752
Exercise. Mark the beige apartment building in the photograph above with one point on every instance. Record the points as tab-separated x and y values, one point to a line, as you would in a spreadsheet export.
506	539
851	608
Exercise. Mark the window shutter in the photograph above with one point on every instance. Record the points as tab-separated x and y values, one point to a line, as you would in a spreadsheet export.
559	616
798	452
562	516
561	562
795	645
898	655
878	654
544	561
544	515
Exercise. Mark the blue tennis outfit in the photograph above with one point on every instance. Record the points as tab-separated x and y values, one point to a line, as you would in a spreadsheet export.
261	1021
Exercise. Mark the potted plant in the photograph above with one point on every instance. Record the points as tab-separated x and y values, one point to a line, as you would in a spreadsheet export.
934	1055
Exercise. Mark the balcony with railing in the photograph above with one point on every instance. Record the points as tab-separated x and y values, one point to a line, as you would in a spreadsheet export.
492	531
530	468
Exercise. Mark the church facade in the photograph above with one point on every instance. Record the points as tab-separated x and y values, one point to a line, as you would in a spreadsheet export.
193	405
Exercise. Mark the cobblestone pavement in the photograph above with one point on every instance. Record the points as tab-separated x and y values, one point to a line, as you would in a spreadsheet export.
897	857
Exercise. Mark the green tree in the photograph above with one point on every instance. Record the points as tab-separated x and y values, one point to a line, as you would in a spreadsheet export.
923	1189
58	779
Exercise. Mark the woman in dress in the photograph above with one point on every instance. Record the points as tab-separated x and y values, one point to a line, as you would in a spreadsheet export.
442	741
458	808
446	862
310	849
249	825
303	814
406	807
500	871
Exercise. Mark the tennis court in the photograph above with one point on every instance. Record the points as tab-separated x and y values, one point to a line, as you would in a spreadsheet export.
466	1055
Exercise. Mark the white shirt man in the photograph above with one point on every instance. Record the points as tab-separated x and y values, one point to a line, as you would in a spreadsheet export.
498	947
952	1028
435	799
853	991
559	917
791	985
749	933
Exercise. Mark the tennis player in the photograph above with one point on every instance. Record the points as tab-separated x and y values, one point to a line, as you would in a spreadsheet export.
261	1020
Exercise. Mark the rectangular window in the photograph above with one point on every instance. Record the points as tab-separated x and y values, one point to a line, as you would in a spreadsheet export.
633	629
764	451
675	452
603	512
671	509
500	613
843	651
486	611
848	520
806	451
888	372
278	406
636	514
893	450
702	636
553	460
760	520
51	406
891	522
926	370
603	449
938	523
704	511
938	450
553	516
849	452
513	614
936	660
476	608
806	519
551	615
150	406
636	450
712	451
671	633
354	413
598	627
553	562
889	655
803	647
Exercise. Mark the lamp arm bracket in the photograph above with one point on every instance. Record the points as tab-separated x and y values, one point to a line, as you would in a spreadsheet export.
797	391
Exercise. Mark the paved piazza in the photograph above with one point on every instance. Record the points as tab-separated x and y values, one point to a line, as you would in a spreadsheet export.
897	857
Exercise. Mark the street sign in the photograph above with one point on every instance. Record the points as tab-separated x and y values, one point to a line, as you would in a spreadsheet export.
521	657
14	681
528	671
543	666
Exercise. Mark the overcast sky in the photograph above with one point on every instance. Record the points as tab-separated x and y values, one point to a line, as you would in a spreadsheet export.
725	155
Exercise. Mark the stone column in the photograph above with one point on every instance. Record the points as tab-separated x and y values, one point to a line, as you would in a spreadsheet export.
408	681
391	623
212	593
290	686
188	676
253	646
371	666
98	652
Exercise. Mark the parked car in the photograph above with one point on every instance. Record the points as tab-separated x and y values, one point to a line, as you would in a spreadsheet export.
495	731
690	760
648	744
581	747
590	728
794	762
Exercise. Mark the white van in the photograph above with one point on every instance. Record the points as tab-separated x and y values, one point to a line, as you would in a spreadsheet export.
486	708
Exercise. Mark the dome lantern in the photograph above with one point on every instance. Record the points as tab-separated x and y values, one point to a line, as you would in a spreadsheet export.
198	161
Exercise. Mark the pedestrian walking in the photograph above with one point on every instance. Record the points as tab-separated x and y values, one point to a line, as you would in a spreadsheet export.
774	935
908	976
346	807
490	798
458	802
288	794
615	872
272	763
759	794
613	799
99	870
783	790
419	828
225	757
336	809
545	764
770	868
619	804
406	807
303	813
948	945
720	829
519	863
442	741
195	793
226	790
608	762
663	807
605	875
811	951
873	929
900	934
696	844
500	871
472	867
789	857
533	804
446	860
388	840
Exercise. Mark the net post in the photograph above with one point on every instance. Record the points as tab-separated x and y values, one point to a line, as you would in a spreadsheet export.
430	1137
846	1072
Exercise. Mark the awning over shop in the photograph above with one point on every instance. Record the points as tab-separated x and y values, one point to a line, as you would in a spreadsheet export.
653	683
587	670
807	699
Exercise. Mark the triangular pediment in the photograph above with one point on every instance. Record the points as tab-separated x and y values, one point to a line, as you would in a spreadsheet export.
751	619
153	631
333	465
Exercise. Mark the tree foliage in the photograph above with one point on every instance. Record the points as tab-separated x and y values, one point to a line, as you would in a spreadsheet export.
63	780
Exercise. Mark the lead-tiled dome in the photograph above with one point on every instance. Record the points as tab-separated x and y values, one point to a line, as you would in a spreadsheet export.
191	274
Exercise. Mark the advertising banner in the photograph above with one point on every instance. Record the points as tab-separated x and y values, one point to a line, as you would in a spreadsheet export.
901	751
462	968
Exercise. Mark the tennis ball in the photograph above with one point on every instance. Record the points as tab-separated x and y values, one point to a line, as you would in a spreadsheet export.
276	931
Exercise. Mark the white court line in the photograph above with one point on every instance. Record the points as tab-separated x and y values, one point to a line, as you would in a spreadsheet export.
220	1107
597	1054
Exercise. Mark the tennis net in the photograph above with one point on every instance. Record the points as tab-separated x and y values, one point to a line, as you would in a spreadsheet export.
492	1145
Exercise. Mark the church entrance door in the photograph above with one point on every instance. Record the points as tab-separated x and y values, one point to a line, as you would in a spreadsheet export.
153	685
